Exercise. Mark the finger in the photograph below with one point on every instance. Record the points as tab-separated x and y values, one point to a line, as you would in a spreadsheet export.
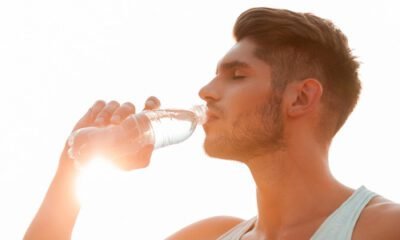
122	112
103	117
90	115
96	108
152	103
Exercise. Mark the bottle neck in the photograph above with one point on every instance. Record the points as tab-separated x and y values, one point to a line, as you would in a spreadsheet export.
201	113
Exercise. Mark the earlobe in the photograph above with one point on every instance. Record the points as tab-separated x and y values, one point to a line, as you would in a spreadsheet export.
304	97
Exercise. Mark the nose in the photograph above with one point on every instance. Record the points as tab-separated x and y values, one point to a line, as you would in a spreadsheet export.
209	92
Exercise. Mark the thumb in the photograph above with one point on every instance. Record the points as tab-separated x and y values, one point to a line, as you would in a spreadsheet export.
140	159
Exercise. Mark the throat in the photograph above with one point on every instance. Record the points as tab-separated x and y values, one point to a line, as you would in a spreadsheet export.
293	197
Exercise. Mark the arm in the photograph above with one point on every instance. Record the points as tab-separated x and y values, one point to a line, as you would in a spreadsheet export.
57	215
58	212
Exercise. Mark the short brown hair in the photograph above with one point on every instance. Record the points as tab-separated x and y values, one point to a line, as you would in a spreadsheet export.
302	45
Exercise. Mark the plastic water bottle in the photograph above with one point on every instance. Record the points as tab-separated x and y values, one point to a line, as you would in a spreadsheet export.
159	128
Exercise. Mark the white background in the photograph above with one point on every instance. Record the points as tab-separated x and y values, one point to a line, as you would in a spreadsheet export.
58	57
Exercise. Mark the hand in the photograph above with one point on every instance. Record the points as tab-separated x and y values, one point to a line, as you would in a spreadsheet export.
57	214
102	114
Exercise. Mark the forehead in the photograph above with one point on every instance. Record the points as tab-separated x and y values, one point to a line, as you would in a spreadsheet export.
243	52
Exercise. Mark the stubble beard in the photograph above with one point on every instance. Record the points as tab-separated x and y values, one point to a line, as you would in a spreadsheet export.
255	132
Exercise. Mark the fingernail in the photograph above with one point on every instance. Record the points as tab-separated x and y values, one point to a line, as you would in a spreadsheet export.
150	104
71	153
116	119
99	121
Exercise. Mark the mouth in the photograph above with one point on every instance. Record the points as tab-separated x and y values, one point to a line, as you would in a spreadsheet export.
211	117
213	113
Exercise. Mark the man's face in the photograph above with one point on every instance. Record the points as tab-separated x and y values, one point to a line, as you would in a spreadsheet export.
245	118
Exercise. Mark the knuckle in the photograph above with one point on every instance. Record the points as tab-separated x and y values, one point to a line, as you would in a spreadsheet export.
110	108
152	103
113	103
105	113
154	99
99	103
129	106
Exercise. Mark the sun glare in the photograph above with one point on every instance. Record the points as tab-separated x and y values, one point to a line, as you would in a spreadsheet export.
95	179
99	186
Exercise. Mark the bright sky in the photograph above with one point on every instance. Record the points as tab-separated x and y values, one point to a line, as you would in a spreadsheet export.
58	57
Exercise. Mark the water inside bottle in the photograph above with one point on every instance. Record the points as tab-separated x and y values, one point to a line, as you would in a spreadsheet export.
172	126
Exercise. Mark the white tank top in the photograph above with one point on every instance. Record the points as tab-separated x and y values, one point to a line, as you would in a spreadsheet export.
338	226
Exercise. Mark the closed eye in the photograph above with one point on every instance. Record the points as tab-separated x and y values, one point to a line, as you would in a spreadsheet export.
238	77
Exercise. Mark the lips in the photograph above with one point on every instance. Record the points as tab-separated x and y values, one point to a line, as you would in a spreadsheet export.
212	115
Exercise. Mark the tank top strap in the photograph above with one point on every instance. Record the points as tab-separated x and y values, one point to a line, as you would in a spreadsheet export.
340	224
239	230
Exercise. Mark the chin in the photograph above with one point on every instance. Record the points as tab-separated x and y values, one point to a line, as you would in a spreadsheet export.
213	149
218	150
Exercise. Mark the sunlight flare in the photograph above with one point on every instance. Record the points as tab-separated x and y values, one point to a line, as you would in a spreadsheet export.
96	179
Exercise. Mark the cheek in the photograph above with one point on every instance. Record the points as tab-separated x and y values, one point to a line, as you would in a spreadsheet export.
244	99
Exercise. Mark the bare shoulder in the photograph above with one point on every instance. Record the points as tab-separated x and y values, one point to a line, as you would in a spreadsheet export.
379	220
210	228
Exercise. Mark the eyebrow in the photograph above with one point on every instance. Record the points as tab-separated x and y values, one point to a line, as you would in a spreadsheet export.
231	65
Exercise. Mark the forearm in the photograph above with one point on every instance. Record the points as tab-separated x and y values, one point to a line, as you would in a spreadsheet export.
56	216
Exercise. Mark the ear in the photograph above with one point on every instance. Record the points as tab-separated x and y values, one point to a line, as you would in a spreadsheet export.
303	97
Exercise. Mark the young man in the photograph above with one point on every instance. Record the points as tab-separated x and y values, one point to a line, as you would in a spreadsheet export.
278	98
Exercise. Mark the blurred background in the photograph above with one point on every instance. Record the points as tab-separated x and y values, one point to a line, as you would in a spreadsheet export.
58	57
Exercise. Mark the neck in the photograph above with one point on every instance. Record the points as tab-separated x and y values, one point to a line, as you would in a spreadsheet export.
294	188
